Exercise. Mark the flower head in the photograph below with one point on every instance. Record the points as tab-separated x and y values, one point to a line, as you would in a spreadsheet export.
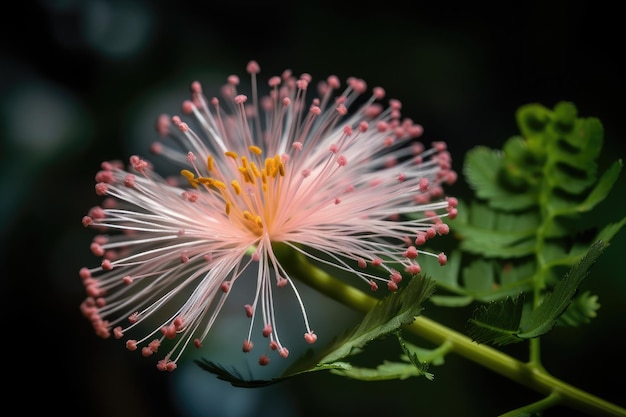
344	184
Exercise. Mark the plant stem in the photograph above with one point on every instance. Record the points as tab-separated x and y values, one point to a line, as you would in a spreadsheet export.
526	374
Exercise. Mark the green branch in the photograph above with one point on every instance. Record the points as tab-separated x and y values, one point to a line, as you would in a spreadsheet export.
526	374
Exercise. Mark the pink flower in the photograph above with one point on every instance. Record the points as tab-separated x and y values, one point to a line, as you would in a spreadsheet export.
322	176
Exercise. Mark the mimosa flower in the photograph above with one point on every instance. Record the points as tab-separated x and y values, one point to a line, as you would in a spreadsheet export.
344	184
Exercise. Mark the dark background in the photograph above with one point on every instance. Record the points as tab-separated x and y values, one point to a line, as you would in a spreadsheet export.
83	81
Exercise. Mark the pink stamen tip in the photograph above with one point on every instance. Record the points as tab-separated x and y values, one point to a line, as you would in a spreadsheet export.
282	282
395	104
183	127
247	346
310	337
84	273
443	229
373	286
267	330
166	365
396	277
379	93
249	310
411	252
163	125
156	148
102	188
413	269
137	163
283	352
117	332
133	318
187	107
363	126
129	181
107	265
196	87
168	331
240	99
225	286
274	81
154	345
197	343
377	262
264	360
392	286
420	239
361	263
253	67
178	323
333	82
87	221
439	146
342	161
146	352
442	258
131	345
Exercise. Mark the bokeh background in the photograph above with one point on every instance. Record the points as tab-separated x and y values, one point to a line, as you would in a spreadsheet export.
83	81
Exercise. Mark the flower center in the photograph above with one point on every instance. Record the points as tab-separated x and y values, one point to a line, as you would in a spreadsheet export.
253	195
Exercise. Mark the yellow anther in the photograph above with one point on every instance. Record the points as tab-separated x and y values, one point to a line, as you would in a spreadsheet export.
269	165
227	208
218	184
231	154
190	177
187	174
250	176
258	221
210	163
255	150
281	169
247	215
244	174
254	169
236	186
244	162
279	165
206	180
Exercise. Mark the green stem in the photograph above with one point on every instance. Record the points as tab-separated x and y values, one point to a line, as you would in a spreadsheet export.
542	404
526	374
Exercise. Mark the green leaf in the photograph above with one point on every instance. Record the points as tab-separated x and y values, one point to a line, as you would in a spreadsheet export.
398	370
482	169
494	233
582	309
479	276
544	317
610	230
388	315
497	322
602	188
386	371
235	378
